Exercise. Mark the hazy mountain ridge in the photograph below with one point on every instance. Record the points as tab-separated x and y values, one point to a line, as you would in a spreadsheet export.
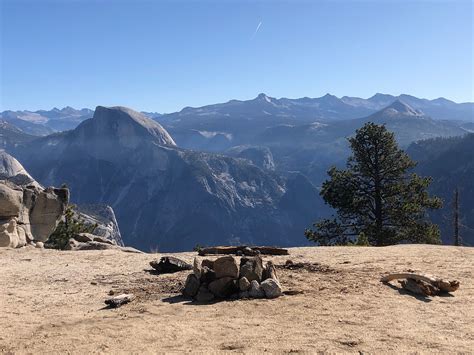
11	136
167	197
327	107
43	122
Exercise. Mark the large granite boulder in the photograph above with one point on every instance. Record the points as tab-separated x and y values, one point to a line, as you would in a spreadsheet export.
29	213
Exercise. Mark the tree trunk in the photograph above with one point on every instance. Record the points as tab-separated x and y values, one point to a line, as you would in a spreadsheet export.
457	239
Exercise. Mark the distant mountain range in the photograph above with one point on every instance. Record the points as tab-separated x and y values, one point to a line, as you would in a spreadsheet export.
263	108
241	171
306	135
42	122
167	197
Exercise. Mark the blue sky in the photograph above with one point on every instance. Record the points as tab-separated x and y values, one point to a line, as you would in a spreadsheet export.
164	55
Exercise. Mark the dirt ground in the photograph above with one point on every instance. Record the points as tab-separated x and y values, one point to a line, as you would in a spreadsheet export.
53	302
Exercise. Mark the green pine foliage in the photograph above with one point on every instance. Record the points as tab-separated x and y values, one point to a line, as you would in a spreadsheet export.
67	228
376	196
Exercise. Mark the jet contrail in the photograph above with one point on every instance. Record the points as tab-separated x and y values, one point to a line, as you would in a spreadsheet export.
256	30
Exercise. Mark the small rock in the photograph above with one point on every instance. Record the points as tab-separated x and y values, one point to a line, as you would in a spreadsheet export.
102	240
191	287
120	300
72	244
207	275
269	272
256	290
208	263
226	266
223	287
84	237
244	294
204	295
197	269
234	296
251	268
272	288
244	284
39	245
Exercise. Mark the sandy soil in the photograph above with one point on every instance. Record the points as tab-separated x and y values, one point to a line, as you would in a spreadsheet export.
52	302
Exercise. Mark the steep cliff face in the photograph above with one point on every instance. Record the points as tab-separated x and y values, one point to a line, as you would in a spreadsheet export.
168	197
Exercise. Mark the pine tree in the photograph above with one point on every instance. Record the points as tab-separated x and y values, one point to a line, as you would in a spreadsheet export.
376	195
68	227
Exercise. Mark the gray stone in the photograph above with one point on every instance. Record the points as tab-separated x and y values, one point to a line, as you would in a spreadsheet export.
197	268
244	284
39	245
72	244
208	263
272	288
207	275
244	294
191	287
256	290
84	237
204	295
251	268
269	272
223	287
102	240
226	266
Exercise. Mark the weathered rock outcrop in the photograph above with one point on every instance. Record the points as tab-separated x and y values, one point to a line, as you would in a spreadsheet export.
29	213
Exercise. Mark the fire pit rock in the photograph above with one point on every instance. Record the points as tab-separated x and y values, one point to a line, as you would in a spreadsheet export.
226	278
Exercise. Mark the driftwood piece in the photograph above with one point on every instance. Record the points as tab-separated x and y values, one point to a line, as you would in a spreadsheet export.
422	284
243	250
170	264
119	300
419	287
